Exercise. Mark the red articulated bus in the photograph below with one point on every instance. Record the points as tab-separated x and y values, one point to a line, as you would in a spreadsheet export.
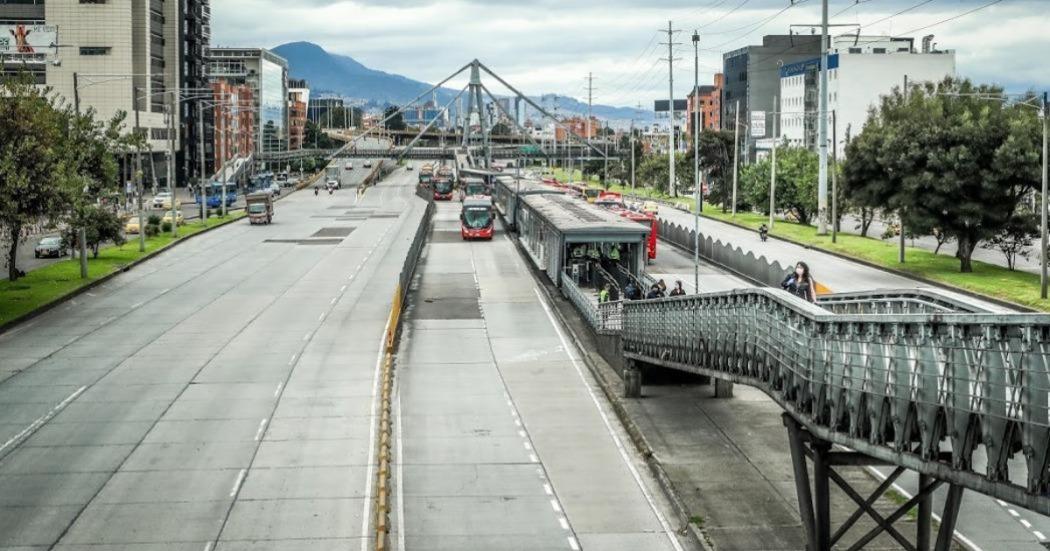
477	220
442	189
648	220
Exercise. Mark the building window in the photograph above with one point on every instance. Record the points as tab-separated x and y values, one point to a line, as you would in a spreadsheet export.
879	50
855	50
94	50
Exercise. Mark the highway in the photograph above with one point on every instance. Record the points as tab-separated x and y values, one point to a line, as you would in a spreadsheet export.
220	395
504	440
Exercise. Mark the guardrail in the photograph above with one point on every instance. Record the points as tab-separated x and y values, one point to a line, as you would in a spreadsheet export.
892	386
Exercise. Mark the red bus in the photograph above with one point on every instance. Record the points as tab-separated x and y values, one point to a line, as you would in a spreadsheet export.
442	189
648	220
476	220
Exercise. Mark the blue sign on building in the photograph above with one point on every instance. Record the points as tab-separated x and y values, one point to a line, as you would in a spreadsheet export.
802	67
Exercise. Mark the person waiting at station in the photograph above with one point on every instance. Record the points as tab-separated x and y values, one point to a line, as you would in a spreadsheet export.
631	291
655	292
678	290
603	295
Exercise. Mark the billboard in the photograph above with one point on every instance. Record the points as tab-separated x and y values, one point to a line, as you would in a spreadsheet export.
660	105
22	40
758	124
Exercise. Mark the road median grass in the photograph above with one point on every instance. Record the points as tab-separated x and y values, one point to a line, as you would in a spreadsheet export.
989	280
51	283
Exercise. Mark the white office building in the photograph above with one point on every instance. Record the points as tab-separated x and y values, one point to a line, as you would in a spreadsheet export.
860	71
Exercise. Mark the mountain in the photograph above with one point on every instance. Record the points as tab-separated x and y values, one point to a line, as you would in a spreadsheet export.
345	76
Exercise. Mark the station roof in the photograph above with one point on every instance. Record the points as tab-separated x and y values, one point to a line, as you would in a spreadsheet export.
527	187
575	218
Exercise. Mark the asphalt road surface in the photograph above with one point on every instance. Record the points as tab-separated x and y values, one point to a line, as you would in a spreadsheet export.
218	396
504	440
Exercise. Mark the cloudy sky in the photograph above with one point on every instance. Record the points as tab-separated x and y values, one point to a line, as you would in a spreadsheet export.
548	46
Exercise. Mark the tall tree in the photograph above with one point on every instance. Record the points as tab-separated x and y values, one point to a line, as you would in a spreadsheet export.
796	191
30	129
949	156
396	122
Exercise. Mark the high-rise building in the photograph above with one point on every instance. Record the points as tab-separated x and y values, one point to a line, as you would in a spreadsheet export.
130	56
707	99
266	73
231	132
752	76
298	101
860	71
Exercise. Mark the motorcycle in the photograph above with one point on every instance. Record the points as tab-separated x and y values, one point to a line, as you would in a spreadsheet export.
316	191
330	191
763	234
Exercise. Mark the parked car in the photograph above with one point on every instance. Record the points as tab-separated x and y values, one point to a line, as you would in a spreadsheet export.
275	189
368	164
162	200
132	226
178	217
50	247
283	180
408	166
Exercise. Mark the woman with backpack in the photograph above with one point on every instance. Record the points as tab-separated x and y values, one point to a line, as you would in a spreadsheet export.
800	283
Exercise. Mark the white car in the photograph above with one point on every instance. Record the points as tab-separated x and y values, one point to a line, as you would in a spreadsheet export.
275	189
162	200
368	164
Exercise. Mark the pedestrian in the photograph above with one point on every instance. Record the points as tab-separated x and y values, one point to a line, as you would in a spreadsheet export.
603	295
800	283
631	291
655	292
678	290
663	287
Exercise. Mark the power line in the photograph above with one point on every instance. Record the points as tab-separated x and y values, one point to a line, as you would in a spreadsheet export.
724	15
977	9
905	10
756	26
850	7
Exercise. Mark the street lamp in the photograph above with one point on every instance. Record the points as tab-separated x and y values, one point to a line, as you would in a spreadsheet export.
698	197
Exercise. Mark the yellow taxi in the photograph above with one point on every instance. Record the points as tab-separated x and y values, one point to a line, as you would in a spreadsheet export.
132	226
650	207
168	217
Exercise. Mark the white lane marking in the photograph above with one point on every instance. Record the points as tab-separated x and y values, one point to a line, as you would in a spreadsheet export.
517	422
547	488
1025	523
207	546
136	305
262	427
321	317
277	392
907	495
555	506
528	446
1013	513
332	302
237	483
564	523
533	458
1001	503
43	419
521	433
342	289
573	545
306	337
292	360
366	514
1039	535
668	531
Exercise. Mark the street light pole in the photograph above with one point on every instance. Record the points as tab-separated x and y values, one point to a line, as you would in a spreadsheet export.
773	163
834	179
736	151
139	174
81	232
698	196
204	176
670	111
1043	214
170	112
632	154
822	125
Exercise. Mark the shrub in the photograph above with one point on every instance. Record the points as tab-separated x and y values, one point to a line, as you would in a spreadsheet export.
153	220
165	227
152	230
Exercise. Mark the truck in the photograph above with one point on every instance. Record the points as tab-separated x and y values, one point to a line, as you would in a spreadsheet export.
259	207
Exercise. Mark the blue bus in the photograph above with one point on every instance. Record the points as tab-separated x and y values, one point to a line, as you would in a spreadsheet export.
214	195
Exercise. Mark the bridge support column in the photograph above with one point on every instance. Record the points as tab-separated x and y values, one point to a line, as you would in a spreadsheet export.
632	380
814	500
723	388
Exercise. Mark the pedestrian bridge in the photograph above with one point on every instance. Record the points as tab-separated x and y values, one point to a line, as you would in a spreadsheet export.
907	379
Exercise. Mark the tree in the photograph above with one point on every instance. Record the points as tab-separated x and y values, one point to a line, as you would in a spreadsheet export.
396	122
315	137
950	156
1016	237
101	226
716	159
30	126
796	191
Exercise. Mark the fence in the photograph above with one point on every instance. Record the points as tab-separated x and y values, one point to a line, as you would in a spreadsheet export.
758	270
893	386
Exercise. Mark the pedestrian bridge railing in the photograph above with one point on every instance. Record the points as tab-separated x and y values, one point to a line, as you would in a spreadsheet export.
903	377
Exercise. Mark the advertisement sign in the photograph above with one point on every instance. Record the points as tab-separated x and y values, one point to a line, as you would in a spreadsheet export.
663	106
758	124
22	40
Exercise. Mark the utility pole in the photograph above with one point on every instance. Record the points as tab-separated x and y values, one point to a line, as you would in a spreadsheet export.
590	102
605	138
632	154
170	110
822	182
1043	230
900	251
670	109
139	175
698	196
773	164
736	151
204	175
81	232
834	179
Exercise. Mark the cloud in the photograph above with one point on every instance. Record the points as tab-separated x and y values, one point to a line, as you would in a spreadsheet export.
551	45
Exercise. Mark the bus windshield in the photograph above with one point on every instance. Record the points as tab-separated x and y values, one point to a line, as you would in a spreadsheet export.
477	218
443	186
475	189
592	193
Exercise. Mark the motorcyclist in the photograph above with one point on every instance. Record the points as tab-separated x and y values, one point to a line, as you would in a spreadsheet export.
763	232
316	191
